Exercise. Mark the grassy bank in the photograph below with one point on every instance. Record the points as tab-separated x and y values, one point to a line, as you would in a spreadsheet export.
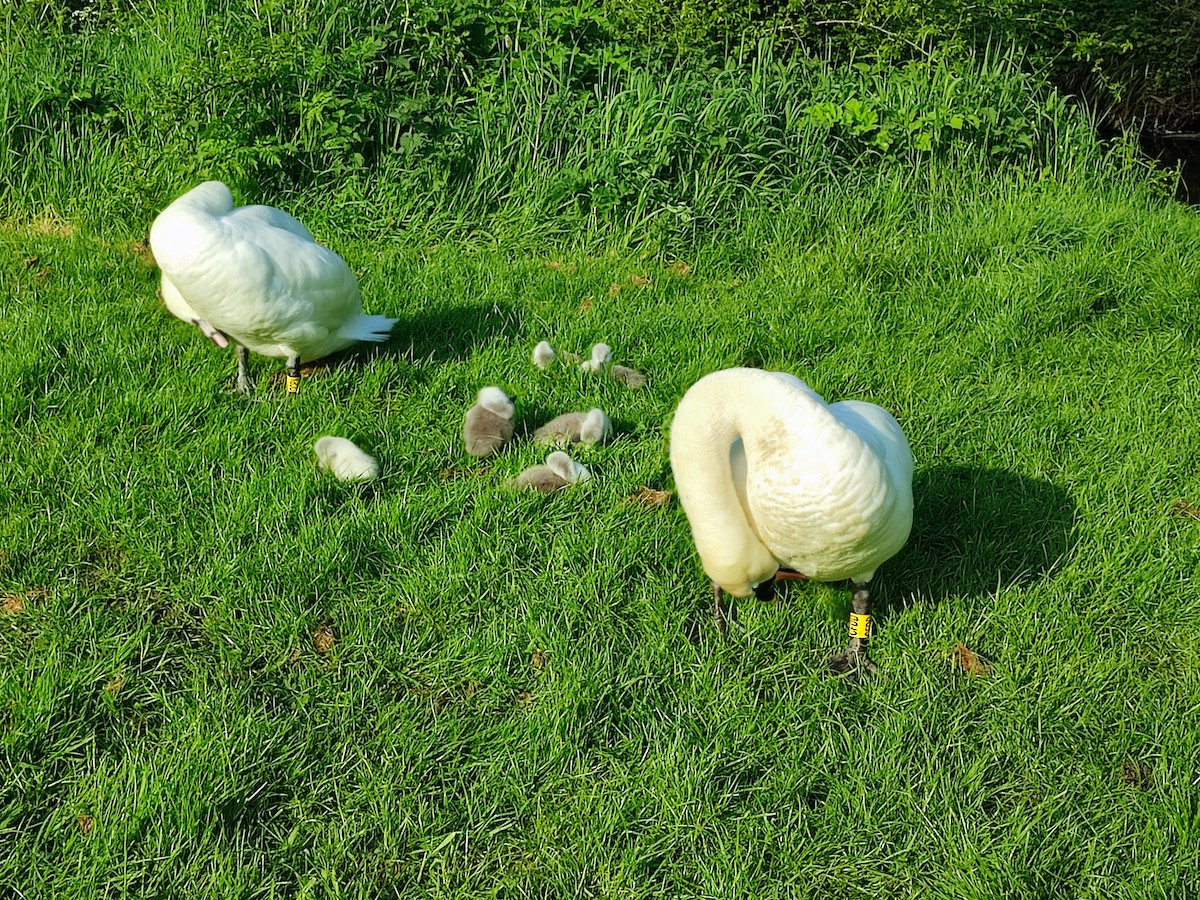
223	671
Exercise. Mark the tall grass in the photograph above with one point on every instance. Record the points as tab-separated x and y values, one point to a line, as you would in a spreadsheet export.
530	133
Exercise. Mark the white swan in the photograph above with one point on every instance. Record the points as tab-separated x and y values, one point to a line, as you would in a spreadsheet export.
256	276
771	475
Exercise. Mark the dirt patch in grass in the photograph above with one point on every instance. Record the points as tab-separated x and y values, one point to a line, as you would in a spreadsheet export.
1138	774
11	604
141	250
324	639
970	661
51	224
1186	508
649	497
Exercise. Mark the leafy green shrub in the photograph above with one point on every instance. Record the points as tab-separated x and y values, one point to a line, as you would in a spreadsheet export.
446	118
1130	58
277	99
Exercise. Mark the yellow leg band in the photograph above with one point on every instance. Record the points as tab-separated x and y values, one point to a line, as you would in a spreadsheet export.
293	384
860	625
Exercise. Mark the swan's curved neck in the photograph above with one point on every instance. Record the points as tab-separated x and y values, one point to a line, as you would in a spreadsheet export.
710	472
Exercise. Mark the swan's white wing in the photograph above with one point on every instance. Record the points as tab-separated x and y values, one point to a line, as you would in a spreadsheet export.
821	492
179	308
261	279
270	217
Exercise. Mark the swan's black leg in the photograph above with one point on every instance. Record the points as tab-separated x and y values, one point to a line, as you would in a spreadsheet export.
721	613
726	613
243	371
293	375
854	659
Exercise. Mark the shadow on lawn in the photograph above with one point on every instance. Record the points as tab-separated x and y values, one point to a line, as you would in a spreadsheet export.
438	334
974	529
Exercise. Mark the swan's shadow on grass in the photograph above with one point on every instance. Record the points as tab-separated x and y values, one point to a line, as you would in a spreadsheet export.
975	529
439	335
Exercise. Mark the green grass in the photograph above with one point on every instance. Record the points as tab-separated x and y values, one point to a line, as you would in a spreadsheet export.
513	703
513	706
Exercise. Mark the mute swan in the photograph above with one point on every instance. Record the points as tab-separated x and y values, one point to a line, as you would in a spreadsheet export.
591	427
632	377
543	354
489	423
345	460
558	472
179	308
256	276
771	475
601	357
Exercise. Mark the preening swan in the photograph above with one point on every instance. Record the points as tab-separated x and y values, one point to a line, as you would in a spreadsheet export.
255	276
543	354
591	427
631	377
601	357
771	475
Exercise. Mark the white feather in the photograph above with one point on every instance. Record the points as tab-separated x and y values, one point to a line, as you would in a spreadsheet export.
257	275
345	460
769	474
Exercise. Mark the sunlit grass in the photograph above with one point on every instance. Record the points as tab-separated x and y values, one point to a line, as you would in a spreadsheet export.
511	705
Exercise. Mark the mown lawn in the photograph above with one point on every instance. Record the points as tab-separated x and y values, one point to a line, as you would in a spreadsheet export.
225	675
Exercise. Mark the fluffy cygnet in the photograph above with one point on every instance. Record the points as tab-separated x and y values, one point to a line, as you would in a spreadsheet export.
489	423
558	472
543	354
631	377
591	427
345	460
601	357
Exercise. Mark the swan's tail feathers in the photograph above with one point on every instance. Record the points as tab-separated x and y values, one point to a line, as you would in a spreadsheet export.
369	328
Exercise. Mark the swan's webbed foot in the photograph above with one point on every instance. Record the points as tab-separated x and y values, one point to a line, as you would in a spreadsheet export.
244	385
855	660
